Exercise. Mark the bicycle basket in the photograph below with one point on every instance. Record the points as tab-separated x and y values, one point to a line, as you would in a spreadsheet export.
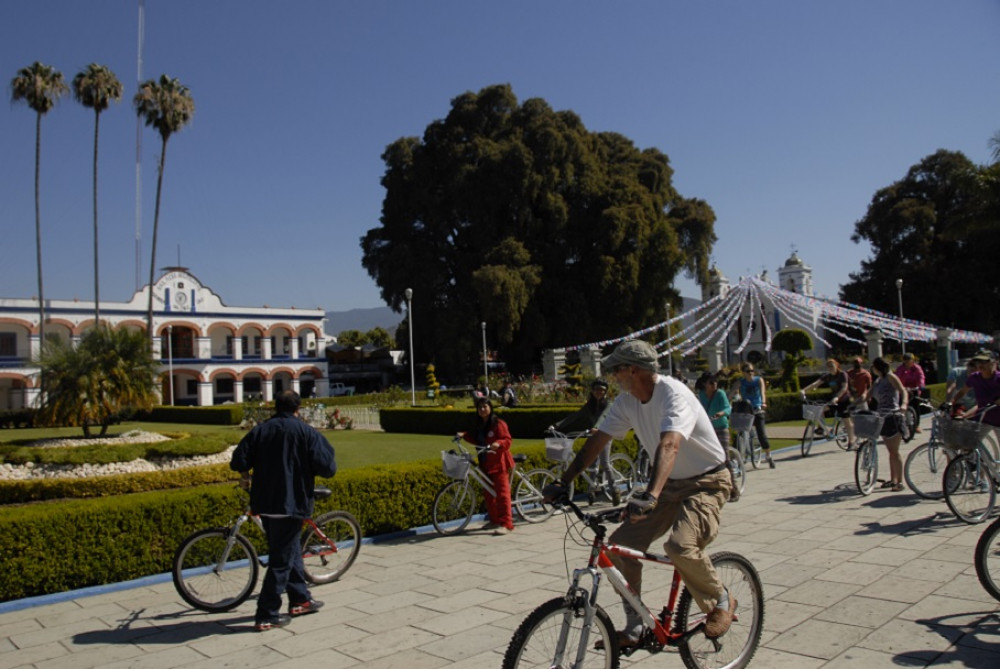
455	465
867	425
813	412
559	449
741	422
962	435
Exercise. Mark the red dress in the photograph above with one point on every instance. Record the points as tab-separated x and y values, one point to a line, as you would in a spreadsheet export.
497	465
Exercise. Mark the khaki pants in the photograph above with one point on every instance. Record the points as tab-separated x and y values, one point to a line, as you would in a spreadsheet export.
689	510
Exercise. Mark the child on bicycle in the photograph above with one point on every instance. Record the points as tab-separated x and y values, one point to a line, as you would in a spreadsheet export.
492	436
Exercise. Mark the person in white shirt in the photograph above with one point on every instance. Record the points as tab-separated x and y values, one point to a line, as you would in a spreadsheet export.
689	463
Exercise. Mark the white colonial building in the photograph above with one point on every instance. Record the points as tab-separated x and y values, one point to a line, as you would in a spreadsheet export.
210	353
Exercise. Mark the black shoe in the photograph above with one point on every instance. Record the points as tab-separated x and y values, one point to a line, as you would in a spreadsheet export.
770	463
312	606
264	624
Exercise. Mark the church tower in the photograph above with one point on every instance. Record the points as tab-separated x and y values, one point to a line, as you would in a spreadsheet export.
796	276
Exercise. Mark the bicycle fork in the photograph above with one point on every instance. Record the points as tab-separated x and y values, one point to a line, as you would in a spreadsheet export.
223	560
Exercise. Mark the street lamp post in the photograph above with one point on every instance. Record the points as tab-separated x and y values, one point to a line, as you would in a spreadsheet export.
899	293
486	373
170	360
409	320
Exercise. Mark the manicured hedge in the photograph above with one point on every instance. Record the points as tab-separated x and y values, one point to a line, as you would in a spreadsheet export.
67	544
222	414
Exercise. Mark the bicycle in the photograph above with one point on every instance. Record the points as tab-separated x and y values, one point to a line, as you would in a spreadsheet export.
925	465
917	407
987	559
458	500
559	632
747	442
867	427
216	569
817	425
970	480
559	447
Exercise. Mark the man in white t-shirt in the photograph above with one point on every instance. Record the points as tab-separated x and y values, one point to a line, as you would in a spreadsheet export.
689	463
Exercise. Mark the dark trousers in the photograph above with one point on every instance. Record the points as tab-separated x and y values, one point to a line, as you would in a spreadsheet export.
284	567
758	423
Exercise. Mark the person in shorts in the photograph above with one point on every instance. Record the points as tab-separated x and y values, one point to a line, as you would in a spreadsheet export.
840	401
892	398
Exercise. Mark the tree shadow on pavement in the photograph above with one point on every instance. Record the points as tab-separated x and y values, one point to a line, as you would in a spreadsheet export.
974	638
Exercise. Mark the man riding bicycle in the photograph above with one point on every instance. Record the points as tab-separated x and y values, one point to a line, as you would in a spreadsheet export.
688	487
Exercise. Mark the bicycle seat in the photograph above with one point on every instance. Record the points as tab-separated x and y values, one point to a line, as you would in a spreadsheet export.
520	457
322	492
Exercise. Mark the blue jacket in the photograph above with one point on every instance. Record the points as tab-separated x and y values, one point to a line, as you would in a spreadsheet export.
285	454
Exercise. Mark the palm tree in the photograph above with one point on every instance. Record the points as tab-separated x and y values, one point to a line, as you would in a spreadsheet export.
166	105
109	373
95	87
39	86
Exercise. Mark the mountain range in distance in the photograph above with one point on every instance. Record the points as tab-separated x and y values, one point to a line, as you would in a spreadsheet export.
363	320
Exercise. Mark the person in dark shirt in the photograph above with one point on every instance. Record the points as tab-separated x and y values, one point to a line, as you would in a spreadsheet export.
285	454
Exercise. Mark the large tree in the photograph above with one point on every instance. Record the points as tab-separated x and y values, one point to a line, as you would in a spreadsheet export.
39	86
518	216
936	230
167	106
96	87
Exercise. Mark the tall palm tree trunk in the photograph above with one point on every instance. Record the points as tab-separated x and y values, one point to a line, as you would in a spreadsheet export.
97	281
156	229
38	230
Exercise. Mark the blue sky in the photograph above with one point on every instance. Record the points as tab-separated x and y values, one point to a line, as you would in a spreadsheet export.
785	116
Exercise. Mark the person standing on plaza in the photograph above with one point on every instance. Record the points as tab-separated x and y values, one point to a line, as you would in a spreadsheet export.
911	374
689	483
985	384
279	460
955	391
892	397
492	437
859	384
753	391
716	404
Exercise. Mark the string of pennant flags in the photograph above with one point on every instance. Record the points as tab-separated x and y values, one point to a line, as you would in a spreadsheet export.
712	321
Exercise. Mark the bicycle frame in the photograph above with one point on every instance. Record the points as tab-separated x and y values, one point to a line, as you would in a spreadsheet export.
600	563
238	524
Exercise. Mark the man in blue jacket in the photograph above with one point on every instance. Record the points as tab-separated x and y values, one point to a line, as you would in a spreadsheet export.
285	455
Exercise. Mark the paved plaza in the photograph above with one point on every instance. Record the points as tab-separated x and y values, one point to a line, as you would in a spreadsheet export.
880	581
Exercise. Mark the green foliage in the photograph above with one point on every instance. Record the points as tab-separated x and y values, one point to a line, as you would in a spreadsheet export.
572	374
525	421
517	215
792	342
108	374
934	228
223	414
377	336
431	379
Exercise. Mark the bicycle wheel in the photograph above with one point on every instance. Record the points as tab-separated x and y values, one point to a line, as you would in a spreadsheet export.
756	452
738	468
808	435
924	469
736	647
554	635
745	447
642	468
623	470
988	559
969	490
866	466
527	499
911	418
327	555
208	582
840	433
453	507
